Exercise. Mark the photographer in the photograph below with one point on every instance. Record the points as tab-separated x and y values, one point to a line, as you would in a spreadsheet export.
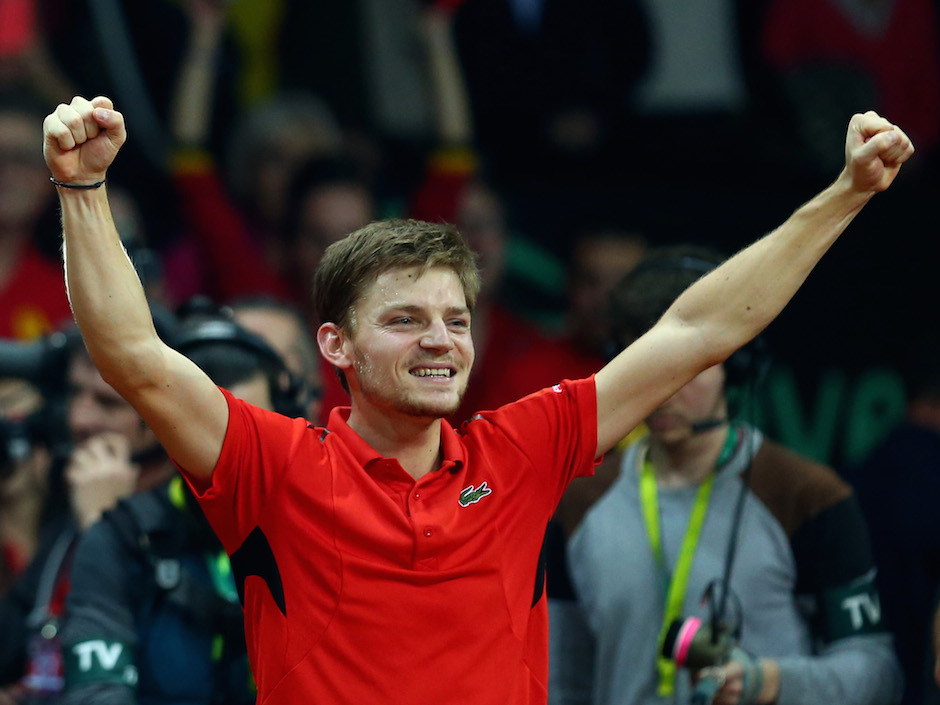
151	584
24	479
112	454
703	493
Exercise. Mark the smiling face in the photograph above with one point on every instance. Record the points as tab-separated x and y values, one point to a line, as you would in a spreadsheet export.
409	350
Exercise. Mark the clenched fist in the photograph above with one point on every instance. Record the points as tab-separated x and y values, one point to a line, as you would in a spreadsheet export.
81	139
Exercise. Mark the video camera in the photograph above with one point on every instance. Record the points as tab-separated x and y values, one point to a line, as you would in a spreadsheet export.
44	364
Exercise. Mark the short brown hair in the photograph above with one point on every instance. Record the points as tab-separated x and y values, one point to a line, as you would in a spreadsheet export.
350	265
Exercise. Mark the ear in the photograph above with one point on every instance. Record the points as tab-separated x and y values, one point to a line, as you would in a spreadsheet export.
335	345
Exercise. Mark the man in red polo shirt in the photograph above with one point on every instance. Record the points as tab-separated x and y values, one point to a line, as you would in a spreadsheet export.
389	558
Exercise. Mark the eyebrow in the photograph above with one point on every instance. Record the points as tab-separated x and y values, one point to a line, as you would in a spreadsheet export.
414	308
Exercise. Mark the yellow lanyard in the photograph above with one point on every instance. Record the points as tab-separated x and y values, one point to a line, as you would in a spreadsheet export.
678	583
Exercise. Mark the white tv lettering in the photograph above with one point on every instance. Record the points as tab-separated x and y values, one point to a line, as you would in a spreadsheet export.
107	655
861	606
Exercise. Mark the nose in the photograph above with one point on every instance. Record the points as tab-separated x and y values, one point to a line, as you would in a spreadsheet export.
436	336
83	417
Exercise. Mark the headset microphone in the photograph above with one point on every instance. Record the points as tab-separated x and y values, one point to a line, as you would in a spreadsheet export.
706	425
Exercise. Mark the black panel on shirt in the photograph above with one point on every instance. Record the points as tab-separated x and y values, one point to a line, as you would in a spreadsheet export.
255	557
832	548
835	567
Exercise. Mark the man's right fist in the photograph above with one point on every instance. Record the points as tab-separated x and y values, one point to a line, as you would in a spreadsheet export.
81	139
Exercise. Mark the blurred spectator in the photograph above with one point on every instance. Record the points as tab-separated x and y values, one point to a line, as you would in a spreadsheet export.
831	57
703	492
24	479
899	489
327	198
371	68
549	81
238	246
25	60
32	295
694	95
270	141
113	454
600	259
695	63
152	579
284	328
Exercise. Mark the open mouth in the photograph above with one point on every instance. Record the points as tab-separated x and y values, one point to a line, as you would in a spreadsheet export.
432	372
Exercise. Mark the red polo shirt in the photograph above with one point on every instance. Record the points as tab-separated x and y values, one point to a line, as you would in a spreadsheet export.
364	586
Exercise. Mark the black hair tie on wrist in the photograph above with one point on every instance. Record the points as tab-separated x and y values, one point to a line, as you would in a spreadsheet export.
82	187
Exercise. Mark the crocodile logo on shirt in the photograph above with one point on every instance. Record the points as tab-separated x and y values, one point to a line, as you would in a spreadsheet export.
472	495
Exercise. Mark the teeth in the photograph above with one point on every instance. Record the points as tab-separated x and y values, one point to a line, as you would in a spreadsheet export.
428	372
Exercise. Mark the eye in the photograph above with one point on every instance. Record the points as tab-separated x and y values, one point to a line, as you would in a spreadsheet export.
459	323
109	403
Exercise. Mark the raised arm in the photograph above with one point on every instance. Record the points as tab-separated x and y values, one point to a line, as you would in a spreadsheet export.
181	405
730	305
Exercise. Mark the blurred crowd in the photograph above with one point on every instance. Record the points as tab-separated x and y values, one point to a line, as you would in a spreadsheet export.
565	138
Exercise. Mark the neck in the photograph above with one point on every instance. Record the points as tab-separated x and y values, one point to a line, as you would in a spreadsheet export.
687	462
414	442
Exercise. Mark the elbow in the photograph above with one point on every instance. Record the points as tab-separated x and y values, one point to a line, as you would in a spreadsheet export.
130	368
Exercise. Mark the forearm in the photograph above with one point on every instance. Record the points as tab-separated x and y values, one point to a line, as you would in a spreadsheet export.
191	105
741	297
859	670
104	291
452	108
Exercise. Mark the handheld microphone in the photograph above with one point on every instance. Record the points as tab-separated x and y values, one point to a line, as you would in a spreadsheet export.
692	644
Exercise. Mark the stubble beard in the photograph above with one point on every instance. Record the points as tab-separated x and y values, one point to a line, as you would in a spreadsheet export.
422	409
404	401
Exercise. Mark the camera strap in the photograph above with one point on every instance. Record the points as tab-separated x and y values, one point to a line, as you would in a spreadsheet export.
677	585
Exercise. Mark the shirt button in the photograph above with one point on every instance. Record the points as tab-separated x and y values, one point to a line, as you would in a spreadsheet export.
428	532
417	495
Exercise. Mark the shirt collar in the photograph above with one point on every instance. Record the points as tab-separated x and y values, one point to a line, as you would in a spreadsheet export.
455	454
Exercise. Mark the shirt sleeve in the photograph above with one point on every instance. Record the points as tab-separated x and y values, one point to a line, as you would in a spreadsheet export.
556	429
256	452
855	661
861	670
100	619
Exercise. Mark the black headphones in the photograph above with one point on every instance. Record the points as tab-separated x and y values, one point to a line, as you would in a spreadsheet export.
203	324
747	366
